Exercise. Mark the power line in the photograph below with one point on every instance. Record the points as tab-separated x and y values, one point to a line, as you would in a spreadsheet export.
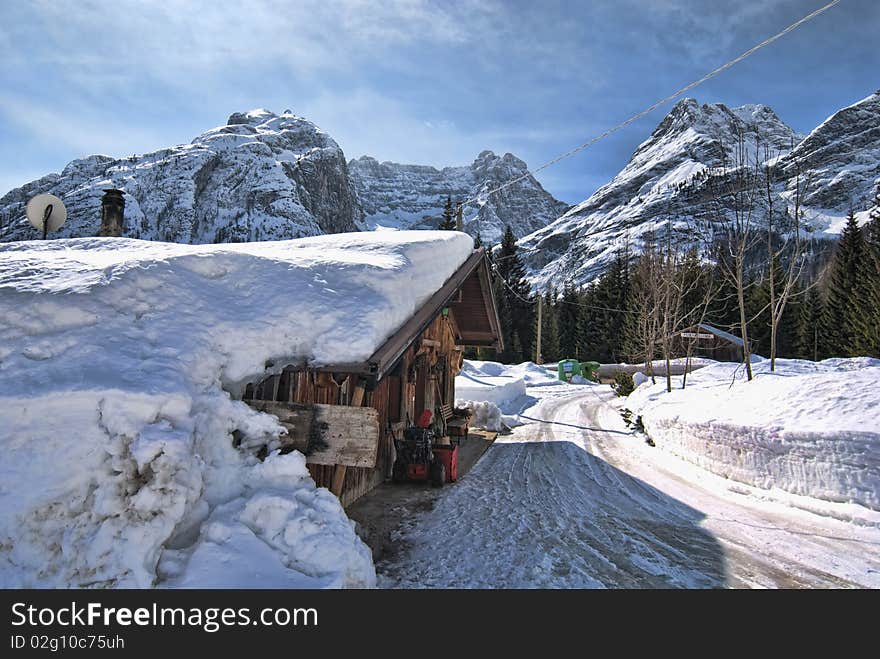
653	107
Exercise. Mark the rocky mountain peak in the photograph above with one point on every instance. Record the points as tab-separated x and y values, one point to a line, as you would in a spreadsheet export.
400	196
261	176
664	182
716	122
253	117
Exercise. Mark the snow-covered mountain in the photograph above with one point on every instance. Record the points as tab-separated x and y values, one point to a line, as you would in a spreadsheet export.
413	196
262	176
841	159
667	181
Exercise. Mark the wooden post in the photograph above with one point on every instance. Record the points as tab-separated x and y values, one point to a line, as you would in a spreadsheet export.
357	399
357	396
338	480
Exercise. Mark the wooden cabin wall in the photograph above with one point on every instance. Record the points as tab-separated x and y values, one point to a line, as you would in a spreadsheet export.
425	372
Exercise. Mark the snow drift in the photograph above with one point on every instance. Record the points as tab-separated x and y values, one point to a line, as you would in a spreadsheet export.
808	428
496	393
117	360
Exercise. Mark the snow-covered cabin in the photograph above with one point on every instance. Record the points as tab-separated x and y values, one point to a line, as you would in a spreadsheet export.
114	342
407	371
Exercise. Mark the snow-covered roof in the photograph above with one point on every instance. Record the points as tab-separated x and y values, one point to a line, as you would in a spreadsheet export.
323	300
115	427
721	334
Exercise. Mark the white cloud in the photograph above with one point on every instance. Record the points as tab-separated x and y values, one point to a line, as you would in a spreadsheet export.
365	122
77	130
174	39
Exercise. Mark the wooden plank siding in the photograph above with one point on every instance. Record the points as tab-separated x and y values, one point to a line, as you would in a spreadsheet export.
425	371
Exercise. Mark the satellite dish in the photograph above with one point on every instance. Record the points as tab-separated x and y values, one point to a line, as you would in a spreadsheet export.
46	212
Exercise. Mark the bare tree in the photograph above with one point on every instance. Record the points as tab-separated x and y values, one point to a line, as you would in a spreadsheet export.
686	295
735	195
670	294
792	247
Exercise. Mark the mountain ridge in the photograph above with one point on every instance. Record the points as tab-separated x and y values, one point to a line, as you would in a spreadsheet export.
665	182
264	176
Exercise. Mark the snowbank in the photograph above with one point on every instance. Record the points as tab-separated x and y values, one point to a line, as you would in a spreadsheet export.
809	428
500	383
500	394
116	427
499	389
484	414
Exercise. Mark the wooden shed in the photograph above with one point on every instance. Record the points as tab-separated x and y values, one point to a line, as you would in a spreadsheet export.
345	416
713	343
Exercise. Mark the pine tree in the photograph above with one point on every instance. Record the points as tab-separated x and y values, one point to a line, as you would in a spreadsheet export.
809	318
448	221
504	318
844	328
723	312
867	341
758	309
550	328
519	300
569	320
787	334
478	241
592	334
875	211
603	319
872	240
640	327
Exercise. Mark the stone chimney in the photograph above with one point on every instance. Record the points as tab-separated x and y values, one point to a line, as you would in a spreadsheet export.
112	213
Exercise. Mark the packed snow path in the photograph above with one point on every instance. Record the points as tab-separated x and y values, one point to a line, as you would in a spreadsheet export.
568	505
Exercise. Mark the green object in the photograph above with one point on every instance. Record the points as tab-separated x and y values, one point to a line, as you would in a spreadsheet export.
568	368
590	370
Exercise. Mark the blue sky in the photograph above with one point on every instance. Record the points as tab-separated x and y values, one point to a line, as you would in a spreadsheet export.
418	81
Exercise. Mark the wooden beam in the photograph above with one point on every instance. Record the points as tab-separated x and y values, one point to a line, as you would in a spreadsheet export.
394	347
491	305
327	434
453	323
338	480
357	396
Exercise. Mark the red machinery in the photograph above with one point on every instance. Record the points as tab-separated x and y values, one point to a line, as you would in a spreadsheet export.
420	459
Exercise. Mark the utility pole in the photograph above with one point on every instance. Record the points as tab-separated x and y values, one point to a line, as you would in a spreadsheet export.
538	359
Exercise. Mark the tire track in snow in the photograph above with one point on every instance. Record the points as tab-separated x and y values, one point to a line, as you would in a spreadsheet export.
539	511
554	506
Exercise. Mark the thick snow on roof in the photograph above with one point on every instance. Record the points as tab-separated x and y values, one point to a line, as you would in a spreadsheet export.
116	431
327	299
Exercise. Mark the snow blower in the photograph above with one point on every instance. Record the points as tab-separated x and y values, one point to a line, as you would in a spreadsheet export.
419	459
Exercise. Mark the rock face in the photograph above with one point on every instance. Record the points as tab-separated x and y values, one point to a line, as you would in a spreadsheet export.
841	158
262	176
669	179
413	196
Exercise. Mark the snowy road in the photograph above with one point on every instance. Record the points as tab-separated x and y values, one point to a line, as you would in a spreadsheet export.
569	505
